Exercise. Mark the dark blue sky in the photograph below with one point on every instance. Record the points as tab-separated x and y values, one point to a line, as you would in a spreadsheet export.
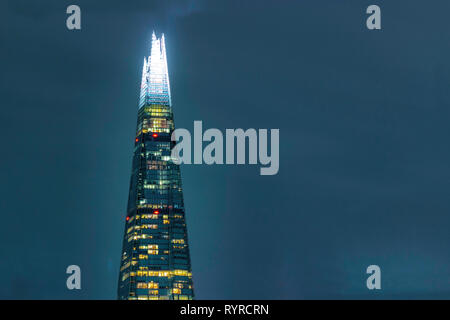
364	155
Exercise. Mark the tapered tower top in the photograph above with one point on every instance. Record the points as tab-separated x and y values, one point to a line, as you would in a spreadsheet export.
155	86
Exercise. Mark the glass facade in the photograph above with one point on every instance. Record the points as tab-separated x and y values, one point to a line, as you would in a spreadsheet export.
155	262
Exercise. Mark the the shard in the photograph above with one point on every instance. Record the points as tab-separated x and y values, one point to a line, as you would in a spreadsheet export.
155	262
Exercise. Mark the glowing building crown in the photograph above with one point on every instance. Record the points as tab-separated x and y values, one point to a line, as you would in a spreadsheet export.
155	87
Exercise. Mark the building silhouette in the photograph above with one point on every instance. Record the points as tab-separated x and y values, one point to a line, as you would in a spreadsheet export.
155	262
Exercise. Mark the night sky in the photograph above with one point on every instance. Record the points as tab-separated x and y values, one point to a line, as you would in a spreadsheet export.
364	144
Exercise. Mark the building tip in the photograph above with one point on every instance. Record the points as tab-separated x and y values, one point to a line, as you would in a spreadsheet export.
154	35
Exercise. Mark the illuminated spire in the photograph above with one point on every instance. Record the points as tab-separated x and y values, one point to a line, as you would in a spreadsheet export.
144	87
155	87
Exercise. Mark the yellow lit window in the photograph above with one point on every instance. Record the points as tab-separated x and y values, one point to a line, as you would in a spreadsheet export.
153	285
141	285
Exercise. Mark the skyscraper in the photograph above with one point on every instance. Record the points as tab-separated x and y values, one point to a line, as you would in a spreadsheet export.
155	262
